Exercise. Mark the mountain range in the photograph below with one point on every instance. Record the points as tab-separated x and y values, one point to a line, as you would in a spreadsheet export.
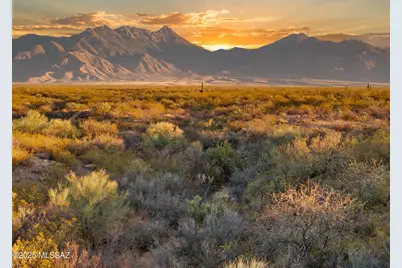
134	54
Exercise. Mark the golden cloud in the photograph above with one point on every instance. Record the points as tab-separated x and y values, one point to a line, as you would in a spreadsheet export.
96	19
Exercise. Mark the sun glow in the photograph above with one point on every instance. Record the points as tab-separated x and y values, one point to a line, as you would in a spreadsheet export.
217	47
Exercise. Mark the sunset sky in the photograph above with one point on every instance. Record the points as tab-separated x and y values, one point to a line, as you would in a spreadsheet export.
211	24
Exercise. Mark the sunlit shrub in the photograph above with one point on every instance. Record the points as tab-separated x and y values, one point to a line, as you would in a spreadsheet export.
164	134
61	228
73	106
61	128
34	247
39	143
94	128
20	155
23	216
305	158
33	123
102	108
370	181
242	263
96	202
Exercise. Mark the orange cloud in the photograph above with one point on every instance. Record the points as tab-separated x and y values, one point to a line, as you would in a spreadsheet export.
184	19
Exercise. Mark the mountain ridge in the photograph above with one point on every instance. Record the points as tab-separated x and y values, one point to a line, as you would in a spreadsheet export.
124	53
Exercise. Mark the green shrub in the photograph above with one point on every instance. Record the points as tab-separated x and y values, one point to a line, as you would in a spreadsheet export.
222	161
370	181
308	158
115	162
198	210
164	134
258	191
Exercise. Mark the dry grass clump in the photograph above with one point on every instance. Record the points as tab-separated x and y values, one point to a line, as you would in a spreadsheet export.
310	201
306	223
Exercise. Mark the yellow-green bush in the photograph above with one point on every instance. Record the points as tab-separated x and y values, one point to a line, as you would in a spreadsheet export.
61	128
93	128
95	201
164	134
33	123
39	143
116	162
20	155
26	252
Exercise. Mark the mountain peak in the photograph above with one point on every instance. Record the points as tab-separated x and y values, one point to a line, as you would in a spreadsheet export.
103	28
167	30
297	37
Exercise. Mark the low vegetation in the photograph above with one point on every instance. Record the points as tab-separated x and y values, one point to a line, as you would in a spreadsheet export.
228	177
